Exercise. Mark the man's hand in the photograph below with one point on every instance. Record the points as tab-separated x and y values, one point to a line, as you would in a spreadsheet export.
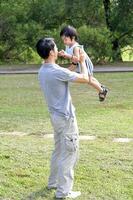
75	59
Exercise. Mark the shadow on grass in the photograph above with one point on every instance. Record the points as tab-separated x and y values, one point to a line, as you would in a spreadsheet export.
44	193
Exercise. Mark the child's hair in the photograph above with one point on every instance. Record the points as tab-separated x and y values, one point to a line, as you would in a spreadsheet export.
44	46
69	31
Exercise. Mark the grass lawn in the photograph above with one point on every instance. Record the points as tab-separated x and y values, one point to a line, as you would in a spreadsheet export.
105	168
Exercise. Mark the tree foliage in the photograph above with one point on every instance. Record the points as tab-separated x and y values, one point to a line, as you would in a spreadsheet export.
119	21
105	26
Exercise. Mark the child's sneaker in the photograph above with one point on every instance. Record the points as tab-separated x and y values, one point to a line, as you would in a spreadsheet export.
102	95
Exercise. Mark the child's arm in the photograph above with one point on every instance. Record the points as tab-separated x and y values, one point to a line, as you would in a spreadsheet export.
63	54
76	55
74	58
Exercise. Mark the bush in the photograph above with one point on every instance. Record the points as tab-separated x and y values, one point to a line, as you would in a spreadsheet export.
96	42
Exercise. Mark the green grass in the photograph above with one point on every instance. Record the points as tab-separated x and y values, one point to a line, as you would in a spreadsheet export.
22	107
104	171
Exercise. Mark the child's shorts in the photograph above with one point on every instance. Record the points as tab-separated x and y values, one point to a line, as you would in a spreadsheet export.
89	66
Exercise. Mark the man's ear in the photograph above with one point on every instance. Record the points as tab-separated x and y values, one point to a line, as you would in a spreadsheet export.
51	52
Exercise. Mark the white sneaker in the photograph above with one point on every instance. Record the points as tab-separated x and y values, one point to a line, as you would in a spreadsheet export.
73	194
51	187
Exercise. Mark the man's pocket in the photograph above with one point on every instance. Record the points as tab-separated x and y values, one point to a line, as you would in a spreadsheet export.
71	142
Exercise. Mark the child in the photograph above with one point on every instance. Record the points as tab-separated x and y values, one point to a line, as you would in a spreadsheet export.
72	52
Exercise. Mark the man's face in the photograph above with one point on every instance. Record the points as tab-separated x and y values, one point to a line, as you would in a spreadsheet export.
55	52
66	40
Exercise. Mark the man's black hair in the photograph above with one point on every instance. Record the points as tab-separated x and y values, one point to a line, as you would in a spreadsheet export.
44	46
69	31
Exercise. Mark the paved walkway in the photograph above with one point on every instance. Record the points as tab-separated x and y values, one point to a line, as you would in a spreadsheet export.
81	137
97	69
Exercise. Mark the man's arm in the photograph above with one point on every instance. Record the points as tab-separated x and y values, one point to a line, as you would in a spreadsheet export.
83	76
66	75
63	54
80	57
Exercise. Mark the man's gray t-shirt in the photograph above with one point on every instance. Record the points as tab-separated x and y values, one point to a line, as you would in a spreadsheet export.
54	84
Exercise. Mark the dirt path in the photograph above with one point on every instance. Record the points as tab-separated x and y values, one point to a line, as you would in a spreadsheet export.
81	137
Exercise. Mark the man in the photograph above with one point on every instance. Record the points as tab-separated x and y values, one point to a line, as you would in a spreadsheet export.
54	84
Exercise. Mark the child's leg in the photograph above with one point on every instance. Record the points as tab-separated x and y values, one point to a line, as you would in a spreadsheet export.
94	83
102	91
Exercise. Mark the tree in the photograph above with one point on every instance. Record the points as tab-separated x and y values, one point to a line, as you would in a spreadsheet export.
119	20
101	23
11	28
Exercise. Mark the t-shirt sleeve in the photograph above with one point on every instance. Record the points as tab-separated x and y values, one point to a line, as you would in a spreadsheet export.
65	75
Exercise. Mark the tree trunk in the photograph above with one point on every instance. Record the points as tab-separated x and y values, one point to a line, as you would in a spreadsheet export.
107	11
116	53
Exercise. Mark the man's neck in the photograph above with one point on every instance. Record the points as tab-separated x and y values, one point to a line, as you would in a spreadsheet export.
49	60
